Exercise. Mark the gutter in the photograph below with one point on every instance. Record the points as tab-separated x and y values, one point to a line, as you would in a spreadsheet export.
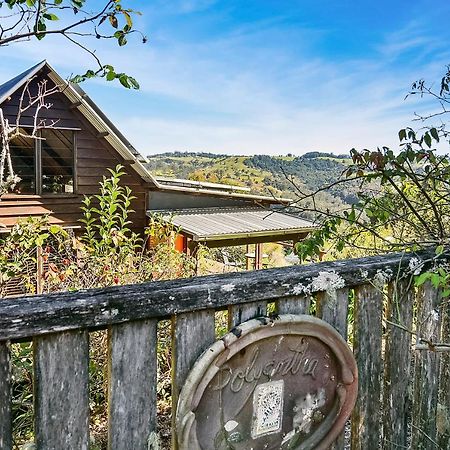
221	237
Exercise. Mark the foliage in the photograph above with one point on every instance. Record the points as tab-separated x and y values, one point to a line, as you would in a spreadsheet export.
403	201
107	252
76	21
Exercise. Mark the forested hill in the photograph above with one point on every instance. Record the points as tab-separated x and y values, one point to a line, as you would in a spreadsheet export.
279	175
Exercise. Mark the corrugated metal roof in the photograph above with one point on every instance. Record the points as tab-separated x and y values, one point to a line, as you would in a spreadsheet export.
207	224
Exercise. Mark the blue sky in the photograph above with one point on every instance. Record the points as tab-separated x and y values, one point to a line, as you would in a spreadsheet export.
262	76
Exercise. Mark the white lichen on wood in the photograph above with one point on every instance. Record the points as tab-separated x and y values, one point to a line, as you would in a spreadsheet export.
415	265
328	282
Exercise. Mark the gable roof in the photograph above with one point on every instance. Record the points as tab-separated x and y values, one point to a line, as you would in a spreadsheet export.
11	86
90	111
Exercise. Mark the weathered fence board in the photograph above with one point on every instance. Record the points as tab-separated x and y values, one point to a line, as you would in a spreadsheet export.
192	333
296	304
132	385
426	370
443	409
32	316
241	313
366	419
397	368
61	391
5	398
333	308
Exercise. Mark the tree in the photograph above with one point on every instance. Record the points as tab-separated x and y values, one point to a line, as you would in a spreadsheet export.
403	197
34	98
22	20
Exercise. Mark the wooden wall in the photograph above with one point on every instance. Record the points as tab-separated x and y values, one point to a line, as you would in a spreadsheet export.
94	156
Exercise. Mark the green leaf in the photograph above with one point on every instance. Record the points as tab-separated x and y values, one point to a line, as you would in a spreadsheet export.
54	229
111	75
40	29
402	134
427	139
128	18
113	21
122	40
435	134
134	84
124	81
439	250
49	16
422	278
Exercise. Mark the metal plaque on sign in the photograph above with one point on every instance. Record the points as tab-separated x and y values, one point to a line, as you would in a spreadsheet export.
289	383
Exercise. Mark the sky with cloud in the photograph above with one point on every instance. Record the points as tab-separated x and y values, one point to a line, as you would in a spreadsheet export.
262	76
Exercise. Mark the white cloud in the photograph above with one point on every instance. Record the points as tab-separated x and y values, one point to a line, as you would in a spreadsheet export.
240	93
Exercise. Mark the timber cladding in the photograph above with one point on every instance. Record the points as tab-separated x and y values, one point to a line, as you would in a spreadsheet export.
93	156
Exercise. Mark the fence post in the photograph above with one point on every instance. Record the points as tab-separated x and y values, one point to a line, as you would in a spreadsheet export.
62	391
426	371
132	384
5	397
333	308
397	369
192	334
443	408
366	418
296	304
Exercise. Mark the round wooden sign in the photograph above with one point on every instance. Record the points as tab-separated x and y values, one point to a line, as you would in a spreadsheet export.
289	383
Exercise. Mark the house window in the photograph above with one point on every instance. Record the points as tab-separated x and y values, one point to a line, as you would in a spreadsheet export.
46	165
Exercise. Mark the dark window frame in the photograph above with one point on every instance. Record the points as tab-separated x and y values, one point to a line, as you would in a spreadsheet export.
38	172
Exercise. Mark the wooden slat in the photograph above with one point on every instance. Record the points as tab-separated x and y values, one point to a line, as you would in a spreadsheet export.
366	420
295	304
397	367
192	333
333	308
132	385
5	398
443	410
61	391
97	163
241	313
426	371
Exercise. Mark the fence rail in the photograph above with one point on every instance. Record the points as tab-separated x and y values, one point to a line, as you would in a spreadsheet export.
403	395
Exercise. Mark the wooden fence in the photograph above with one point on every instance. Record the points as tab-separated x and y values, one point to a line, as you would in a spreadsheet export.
398	336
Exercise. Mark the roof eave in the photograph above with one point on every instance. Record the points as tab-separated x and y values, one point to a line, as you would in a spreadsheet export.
217	193
33	71
250	234
77	98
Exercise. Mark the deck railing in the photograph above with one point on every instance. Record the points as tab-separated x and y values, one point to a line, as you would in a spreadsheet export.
395	330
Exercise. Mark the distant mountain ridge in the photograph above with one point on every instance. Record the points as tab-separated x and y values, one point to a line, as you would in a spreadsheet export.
285	176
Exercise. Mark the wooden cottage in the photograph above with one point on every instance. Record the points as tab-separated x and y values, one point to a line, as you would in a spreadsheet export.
76	144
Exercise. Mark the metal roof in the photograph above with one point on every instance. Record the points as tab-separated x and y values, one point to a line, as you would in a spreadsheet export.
199	184
11	86
210	224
